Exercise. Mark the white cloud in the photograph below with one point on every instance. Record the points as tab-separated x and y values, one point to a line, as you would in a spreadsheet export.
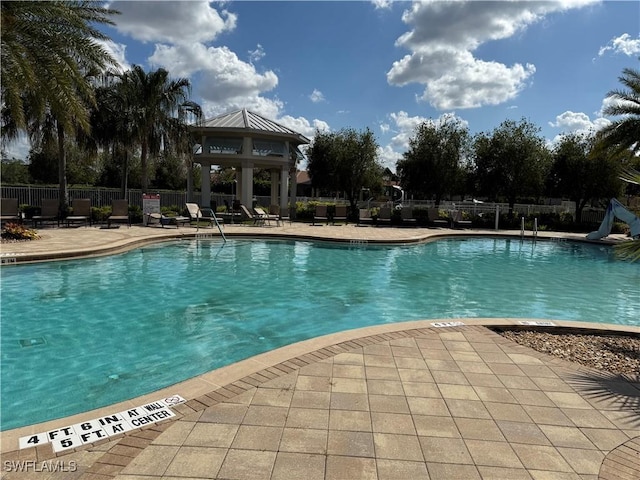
303	126
576	122
266	107
382	4
222	76
257	54
172	22
316	96
118	52
403	127
623	44
388	157
18	148
442	38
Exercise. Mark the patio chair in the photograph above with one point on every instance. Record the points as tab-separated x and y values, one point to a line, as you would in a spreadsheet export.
197	214
266	217
9	210
458	221
164	220
257	220
119	212
364	217
434	218
81	211
49	212
407	216
320	214
340	214
384	216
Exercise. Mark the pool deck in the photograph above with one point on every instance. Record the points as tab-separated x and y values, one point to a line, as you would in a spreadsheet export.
413	400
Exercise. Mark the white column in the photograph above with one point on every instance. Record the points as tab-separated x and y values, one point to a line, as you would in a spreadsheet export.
205	170
239	184
284	186
294	187
247	184
274	186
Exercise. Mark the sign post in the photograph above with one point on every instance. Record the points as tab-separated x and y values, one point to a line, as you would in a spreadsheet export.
150	204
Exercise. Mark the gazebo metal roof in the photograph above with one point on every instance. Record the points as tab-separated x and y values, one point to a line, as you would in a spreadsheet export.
246	120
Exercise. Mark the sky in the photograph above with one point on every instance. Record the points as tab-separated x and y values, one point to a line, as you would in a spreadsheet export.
389	65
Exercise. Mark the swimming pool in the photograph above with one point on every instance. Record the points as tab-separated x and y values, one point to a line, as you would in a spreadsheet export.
78	335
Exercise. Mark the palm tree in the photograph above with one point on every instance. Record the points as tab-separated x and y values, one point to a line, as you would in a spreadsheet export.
47	50
158	102
113	124
630	250
624	133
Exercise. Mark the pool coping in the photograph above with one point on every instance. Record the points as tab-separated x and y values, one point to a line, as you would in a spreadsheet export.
421	235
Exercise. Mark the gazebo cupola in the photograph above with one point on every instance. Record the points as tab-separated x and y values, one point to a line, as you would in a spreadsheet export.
245	140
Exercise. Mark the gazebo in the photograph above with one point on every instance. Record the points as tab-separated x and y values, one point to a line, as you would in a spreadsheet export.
245	140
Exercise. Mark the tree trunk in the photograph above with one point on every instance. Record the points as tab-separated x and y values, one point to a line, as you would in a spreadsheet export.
580	204
189	164
143	164
512	202
63	193
124	180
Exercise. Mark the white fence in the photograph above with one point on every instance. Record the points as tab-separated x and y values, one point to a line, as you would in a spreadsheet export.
33	195
100	197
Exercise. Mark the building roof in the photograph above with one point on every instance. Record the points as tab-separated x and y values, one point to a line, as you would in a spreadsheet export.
247	120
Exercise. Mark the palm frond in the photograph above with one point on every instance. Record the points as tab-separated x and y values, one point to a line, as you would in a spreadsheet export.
628	250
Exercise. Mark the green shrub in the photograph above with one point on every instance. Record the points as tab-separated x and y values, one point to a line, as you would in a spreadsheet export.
17	231
100	214
30	210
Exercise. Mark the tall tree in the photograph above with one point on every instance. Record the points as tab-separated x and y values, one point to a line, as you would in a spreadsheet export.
624	132
345	161
582	173
433	165
157	102
511	162
47	49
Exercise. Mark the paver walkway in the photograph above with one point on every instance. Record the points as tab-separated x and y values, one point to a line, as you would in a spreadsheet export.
398	401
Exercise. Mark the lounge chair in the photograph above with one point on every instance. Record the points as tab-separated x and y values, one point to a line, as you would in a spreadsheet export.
49	212
365	217
340	214
434	218
164	220
458	221
407	216
197	214
384	216
119	212
257	220
266	217
320	214
9	210
81	211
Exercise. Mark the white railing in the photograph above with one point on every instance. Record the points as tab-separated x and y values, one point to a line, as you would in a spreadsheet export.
34	194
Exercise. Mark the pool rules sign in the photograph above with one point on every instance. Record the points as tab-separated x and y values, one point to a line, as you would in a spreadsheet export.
91	431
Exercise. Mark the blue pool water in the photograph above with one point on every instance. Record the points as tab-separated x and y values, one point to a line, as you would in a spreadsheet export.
81	334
